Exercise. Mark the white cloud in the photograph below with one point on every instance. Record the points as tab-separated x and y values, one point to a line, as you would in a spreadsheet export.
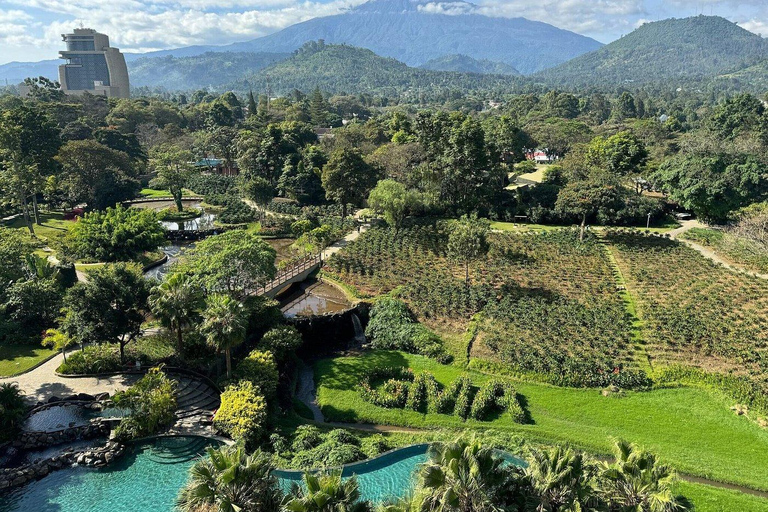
448	8
757	26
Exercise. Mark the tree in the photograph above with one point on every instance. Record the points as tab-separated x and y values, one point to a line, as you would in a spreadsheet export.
327	493
152	402
224	323
347	178
637	482
393	200
259	368
318	108
230	480
281	341
14	249
712	186
558	136
258	190
464	476
468	241
583	198
12	410
116	234
108	307
243	413
234	262
622	154
561	480
57	340
95	174
174	169
176	302
28	143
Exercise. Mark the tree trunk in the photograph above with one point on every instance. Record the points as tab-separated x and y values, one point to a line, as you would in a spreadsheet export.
35	210
179	204
583	227
122	352
179	339
64	353
25	212
466	273
343	211
229	363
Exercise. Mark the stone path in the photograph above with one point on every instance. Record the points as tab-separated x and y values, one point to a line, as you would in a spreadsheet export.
707	252
42	383
336	247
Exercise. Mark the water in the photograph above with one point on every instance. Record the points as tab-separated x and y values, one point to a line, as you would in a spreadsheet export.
204	221
390	476
29	456
63	416
174	251
359	332
315	298
147	479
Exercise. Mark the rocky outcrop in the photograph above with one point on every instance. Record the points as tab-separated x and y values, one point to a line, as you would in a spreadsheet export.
92	457
32	440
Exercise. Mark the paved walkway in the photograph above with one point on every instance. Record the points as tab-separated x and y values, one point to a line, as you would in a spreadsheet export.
336	247
706	251
42	383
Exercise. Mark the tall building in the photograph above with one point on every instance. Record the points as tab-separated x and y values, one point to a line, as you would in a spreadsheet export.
92	65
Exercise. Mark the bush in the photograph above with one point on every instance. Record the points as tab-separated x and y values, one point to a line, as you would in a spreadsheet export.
375	445
116	234
496	395
343	454
93	359
12	410
281	341
243	413
300	227
260	369
393	327
152	402
173	214
306	438
341	436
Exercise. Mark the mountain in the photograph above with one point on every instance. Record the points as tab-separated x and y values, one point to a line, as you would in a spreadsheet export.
673	49
417	31
202	71
351	70
16	72
753	78
466	64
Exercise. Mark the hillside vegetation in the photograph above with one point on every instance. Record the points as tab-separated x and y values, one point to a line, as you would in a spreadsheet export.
466	64
673	49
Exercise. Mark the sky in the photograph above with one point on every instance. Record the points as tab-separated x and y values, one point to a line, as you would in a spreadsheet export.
30	30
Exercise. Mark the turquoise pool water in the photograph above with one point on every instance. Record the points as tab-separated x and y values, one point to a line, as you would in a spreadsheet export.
66	415
147	479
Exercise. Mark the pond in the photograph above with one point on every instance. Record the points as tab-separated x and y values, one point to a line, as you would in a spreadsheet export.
204	221
174	251
314	297
63	416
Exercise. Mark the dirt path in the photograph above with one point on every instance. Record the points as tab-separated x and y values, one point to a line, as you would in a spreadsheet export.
707	252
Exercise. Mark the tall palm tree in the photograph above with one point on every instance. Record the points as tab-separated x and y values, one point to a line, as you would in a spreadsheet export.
561	480
224	324
175	302
230	480
637	482
465	476
327	493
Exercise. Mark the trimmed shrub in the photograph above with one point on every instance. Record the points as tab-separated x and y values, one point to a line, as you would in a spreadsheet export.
496	395
243	413
259	368
306	438
375	445
464	397
152	402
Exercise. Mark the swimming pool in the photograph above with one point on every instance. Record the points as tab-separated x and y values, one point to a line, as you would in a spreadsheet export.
146	479
59	417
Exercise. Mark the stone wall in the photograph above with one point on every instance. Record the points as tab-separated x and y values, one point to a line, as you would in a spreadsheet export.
30	440
326	334
92	457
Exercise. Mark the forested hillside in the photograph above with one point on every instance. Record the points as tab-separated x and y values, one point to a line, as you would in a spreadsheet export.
673	49
199	72
466	64
341	68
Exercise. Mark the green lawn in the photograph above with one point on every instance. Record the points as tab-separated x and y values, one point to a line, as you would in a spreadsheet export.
706	498
18	358
690	428
157	193
53	227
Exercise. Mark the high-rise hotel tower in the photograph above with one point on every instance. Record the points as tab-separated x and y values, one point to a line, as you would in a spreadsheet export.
92	65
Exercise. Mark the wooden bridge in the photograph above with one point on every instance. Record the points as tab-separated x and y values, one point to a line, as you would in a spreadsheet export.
295	274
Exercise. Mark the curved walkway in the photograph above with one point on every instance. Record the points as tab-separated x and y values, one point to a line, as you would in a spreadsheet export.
707	252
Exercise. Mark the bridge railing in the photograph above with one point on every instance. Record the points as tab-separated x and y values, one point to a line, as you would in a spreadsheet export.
286	275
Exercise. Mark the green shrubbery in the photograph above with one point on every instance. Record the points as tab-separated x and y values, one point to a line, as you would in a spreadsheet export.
311	448
243	413
393	327
93	359
402	389
260	369
12	410
152	402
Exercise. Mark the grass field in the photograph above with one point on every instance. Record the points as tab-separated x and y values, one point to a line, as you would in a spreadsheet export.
18	358
156	193
736	250
706	498
690	428
53	228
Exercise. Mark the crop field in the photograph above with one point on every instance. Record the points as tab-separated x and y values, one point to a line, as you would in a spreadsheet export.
537	292
694	311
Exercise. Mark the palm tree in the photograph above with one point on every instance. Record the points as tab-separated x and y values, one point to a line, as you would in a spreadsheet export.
464	476
224	325
561	480
58	340
327	493
229	480
637	482
175	302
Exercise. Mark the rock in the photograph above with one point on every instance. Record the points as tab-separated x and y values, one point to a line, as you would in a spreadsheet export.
606	392
101	396
85	397
54	399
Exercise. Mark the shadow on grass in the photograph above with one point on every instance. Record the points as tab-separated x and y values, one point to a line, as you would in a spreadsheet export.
347	374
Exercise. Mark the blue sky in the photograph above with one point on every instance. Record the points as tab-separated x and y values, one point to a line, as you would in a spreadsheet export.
30	30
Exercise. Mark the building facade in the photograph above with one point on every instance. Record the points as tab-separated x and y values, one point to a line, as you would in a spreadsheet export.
92	65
